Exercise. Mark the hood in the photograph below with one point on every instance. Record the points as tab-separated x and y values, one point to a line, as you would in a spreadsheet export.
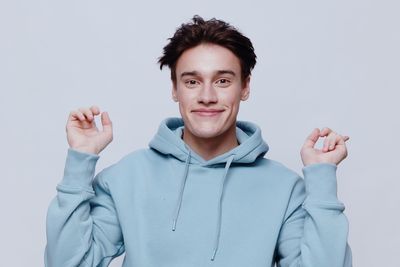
168	141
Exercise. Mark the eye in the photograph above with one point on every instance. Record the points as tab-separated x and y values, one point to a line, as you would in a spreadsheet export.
191	83
223	82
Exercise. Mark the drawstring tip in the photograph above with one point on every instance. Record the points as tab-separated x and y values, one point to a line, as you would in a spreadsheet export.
174	225
213	256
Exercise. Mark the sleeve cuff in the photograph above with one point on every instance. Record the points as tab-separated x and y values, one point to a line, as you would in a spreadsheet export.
79	168
320	181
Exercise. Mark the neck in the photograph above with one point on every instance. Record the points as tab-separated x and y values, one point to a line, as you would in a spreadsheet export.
209	148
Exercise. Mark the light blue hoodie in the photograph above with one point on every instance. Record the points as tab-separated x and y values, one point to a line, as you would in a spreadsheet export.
167	207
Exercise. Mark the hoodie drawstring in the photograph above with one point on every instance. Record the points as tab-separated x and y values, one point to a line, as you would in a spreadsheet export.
178	207
218	231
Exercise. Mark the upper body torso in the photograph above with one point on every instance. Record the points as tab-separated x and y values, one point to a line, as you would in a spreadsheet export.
241	208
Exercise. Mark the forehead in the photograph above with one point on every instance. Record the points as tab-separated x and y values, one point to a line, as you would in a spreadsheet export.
207	59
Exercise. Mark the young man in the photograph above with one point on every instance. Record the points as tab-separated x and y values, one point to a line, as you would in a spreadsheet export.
202	194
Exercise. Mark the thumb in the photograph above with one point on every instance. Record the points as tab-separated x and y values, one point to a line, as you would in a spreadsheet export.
312	139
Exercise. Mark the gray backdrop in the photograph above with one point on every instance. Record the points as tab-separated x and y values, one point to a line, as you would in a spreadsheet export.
320	63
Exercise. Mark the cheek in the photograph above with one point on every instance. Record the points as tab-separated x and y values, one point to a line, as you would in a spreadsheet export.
185	104
231	99
185	100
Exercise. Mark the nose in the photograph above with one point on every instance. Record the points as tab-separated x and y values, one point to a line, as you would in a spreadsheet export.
207	94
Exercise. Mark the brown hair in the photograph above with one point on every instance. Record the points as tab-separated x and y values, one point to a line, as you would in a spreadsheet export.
211	31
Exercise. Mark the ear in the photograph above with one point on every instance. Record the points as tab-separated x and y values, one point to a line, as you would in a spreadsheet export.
174	92
244	94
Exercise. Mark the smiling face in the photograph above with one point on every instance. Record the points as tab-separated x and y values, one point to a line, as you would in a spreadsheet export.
209	89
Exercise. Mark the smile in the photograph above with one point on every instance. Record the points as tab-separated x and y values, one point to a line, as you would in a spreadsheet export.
207	112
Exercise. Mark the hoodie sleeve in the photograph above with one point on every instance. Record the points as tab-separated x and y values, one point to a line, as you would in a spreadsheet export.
82	225
315	229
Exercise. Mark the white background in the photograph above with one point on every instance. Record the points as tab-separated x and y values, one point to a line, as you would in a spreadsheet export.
320	63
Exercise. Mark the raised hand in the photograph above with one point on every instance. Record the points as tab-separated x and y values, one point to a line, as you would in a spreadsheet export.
82	132
333	151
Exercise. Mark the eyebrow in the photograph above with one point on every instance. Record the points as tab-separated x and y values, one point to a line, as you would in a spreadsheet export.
196	73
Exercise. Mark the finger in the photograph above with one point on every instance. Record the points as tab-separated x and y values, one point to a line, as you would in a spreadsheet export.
325	131
336	141
76	114
330	141
95	110
106	122
343	140
88	113
312	138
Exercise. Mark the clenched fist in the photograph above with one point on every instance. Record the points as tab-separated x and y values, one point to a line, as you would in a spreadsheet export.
82	133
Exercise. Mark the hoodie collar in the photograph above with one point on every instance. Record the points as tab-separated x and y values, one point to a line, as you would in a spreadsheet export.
168	141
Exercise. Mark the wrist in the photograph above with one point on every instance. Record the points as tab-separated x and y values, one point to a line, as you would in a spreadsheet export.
312	162
86	149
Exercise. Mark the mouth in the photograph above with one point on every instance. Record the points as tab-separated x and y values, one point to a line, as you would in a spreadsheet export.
207	112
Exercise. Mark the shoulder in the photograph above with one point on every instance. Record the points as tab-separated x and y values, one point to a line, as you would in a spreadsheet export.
128	166
277	168
286	181
280	175
135	157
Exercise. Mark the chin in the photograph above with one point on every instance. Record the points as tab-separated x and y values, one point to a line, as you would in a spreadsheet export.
207	130
204	132
207	127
